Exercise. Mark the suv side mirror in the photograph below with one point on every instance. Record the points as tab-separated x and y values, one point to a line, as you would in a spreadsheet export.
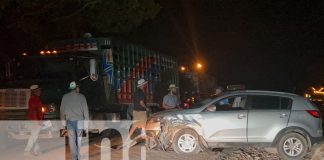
93	70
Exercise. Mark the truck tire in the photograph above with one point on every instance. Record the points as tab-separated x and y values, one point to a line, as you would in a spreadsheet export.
186	141
292	146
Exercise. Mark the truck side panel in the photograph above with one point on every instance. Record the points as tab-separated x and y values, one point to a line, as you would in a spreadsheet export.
131	63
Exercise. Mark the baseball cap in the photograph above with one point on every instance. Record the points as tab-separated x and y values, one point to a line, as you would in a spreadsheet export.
73	85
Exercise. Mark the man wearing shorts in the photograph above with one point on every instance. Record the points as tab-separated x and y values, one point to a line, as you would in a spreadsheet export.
139	112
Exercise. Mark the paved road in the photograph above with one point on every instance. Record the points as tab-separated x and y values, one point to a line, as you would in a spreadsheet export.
56	150
135	153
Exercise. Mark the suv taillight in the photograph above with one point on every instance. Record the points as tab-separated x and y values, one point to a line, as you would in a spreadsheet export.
314	113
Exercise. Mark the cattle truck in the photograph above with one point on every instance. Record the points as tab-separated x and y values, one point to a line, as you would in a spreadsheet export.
106	68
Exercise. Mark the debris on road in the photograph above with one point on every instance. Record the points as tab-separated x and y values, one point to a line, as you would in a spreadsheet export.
318	153
259	153
247	153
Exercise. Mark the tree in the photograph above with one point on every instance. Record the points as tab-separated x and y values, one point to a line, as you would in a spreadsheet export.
44	20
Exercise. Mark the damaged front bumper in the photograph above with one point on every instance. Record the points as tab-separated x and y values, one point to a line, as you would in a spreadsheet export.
161	131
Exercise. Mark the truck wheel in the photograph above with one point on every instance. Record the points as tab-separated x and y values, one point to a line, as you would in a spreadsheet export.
292	146
186	141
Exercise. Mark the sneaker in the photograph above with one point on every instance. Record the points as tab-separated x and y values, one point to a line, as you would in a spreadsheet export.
37	153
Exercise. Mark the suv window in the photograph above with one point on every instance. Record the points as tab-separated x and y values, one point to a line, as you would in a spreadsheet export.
285	103
228	103
264	102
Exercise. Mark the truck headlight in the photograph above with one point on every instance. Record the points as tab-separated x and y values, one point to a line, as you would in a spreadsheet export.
49	108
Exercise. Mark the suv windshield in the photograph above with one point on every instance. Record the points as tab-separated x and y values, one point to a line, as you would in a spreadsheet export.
201	103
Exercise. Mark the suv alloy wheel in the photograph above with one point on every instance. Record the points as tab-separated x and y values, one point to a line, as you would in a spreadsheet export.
292	146
186	141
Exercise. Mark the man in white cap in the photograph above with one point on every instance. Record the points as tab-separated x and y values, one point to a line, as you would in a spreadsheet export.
35	116
139	112
171	100
74	109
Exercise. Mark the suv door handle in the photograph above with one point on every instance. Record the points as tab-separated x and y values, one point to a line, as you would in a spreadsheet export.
241	116
283	115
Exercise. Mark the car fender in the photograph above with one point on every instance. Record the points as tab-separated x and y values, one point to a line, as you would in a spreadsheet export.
173	128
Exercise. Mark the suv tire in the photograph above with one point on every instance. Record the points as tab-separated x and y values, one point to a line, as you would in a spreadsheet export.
292	146
186	141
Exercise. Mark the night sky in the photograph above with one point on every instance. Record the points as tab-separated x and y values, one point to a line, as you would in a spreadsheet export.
273	45
263	44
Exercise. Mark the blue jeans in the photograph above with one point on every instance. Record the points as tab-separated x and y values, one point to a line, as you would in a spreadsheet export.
75	136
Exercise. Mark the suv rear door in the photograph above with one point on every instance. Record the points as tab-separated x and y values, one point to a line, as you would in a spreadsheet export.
267	116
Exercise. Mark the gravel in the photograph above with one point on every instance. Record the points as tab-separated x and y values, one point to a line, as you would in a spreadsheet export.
258	153
248	153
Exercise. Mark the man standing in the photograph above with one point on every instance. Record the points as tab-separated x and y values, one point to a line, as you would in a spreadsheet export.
218	91
74	110
171	100
35	116
139	112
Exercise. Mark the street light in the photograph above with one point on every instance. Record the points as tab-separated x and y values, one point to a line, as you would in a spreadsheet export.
199	65
182	68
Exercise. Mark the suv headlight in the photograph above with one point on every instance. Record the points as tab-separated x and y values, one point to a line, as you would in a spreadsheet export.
154	120
153	124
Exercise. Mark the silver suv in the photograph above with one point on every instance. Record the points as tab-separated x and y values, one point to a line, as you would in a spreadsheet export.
286	121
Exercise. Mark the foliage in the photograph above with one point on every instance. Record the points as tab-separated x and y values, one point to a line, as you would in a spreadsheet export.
45	20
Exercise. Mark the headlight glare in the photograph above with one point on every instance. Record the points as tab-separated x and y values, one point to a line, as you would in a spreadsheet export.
49	108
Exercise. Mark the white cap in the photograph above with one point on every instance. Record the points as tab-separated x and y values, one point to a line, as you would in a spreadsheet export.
73	85
172	86
141	82
34	86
